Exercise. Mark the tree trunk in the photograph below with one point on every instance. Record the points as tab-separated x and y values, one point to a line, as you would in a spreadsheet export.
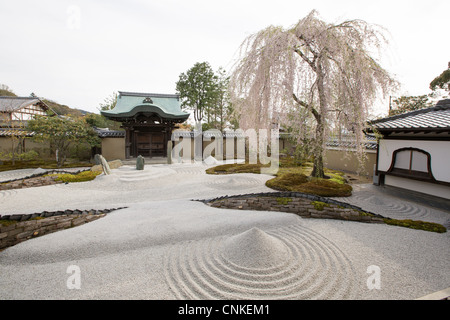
57	157
318	171
61	154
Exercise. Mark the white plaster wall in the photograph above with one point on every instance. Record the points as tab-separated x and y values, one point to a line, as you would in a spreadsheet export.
439	151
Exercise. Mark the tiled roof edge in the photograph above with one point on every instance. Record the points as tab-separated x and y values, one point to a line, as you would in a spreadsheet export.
440	105
142	94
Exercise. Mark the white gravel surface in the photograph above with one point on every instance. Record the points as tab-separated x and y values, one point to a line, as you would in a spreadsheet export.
165	246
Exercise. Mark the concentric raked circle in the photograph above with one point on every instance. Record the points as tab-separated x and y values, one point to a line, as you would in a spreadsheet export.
286	263
7	193
388	206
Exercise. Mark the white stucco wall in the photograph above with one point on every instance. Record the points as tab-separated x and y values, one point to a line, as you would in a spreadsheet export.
439	151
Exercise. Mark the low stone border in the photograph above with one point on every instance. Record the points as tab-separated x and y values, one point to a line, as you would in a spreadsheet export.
36	180
304	205
29	182
27	226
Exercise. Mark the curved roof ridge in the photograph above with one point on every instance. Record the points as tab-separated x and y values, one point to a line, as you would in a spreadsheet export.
129	104
144	95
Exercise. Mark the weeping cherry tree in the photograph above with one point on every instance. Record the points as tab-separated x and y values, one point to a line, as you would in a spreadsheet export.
315	77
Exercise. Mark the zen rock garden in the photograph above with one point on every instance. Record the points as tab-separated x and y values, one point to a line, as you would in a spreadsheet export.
206	240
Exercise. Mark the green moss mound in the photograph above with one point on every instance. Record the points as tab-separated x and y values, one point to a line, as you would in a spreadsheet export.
417	224
236	168
286	182
293	176
80	177
301	183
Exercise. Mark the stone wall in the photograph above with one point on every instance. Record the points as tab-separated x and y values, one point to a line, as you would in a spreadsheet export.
21	227
304	205
42	178
29	182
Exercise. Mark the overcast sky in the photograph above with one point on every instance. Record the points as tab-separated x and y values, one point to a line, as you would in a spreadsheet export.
78	52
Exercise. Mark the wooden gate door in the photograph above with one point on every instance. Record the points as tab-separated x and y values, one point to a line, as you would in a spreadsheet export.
157	144
143	144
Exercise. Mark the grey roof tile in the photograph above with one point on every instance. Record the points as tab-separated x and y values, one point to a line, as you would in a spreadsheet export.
435	118
8	104
107	133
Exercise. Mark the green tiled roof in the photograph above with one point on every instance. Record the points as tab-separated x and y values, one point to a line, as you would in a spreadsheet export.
131	103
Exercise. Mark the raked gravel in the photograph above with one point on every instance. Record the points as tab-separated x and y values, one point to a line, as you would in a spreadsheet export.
165	246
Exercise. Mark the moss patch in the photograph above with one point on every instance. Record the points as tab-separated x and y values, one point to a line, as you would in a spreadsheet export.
336	177
80	177
365	214
237	168
318	205
419	225
284	201
294	177
286	182
5	223
301	183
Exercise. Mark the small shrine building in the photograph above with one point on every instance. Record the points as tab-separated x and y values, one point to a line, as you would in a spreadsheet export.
148	120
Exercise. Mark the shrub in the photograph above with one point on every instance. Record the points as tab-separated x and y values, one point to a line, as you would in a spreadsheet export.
80	151
24	156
